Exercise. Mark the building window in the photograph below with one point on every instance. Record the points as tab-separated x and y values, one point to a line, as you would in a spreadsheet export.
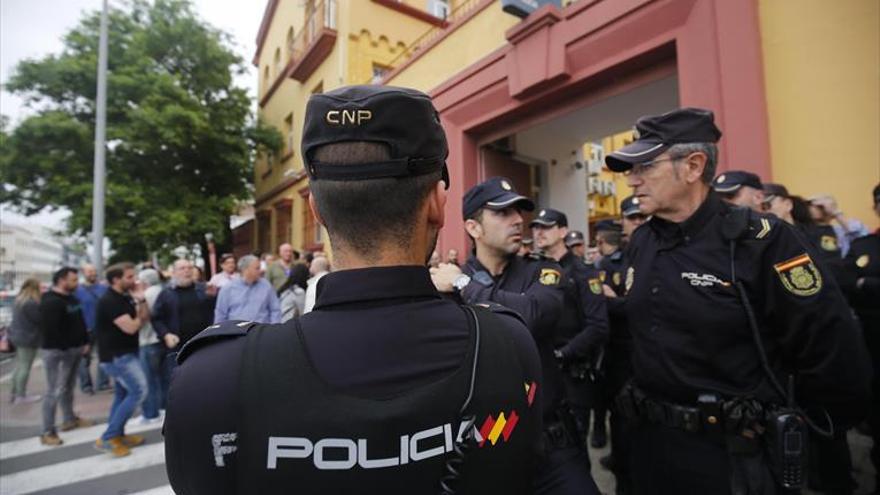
439	8
266	79
283	217
318	89
288	131
379	72
264	231
289	44
277	62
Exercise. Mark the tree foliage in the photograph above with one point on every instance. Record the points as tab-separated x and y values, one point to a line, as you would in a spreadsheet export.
181	137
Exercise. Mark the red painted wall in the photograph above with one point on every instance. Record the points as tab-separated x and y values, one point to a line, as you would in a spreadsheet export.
559	60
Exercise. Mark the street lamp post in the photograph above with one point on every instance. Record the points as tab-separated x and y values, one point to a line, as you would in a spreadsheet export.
100	148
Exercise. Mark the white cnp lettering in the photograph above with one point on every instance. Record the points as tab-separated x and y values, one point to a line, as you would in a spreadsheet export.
412	449
345	117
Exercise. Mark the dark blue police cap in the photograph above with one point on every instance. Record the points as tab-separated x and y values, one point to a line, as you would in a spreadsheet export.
608	225
729	182
403	119
550	217
656	133
574	238
496	193
630	206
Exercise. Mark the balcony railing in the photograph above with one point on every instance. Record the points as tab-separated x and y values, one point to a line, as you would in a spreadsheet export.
314	42
461	10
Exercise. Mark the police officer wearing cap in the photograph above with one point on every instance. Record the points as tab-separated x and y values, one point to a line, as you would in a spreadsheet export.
582	329
741	188
863	260
534	287
631	217
574	241
386	387
737	332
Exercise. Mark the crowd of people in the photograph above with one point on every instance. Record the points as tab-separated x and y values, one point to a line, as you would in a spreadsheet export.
724	329
135	322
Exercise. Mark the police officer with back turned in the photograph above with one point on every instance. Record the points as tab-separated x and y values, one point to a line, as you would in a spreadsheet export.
534	287
385	387
743	344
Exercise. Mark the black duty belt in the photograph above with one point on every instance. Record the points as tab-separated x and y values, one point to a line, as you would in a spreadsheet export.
710	415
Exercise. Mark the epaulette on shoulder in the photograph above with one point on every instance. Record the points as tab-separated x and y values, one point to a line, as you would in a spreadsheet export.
744	224
536	256
220	331
501	310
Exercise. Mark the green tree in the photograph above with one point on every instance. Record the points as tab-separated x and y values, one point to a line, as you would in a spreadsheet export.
181	136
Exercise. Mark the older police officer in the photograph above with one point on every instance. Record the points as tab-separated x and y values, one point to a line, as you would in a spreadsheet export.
534	287
723	305
385	387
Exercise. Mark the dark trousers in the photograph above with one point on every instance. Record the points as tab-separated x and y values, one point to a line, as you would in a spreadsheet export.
668	461
85	373
621	441
565	472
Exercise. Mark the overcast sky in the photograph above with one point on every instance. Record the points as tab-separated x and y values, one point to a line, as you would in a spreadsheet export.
33	29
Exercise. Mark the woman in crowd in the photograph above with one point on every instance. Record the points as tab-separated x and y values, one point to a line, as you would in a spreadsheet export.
25	335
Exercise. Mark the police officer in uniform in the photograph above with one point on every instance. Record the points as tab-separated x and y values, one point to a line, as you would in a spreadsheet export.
631	218
386	387
575	243
724	306
740	188
582	329
863	261
534	287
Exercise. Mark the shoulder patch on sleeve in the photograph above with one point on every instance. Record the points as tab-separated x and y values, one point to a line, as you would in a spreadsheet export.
799	275
225	330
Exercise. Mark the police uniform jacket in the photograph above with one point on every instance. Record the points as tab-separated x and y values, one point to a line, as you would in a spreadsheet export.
376	337
691	333
530	286
863	262
583	326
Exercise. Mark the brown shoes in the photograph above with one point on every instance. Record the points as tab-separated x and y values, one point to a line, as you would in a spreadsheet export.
76	423
115	447
132	440
50	439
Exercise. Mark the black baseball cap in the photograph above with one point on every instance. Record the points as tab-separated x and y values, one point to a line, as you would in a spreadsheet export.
772	190
403	119
656	133
574	238
877	194
550	217
630	206
496	193
608	225
729	182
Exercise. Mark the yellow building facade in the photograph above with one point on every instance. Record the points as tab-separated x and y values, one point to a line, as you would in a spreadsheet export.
306	47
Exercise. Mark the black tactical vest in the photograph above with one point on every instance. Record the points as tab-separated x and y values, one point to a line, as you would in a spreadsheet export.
297	435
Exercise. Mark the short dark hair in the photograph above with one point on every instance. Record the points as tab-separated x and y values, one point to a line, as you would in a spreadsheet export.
365	214
62	273
117	271
612	237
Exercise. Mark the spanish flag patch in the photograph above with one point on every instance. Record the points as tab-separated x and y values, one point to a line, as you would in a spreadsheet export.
799	275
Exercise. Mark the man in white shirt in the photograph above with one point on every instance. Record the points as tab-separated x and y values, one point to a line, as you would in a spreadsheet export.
320	267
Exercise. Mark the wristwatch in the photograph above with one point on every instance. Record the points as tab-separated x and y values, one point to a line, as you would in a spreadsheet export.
460	282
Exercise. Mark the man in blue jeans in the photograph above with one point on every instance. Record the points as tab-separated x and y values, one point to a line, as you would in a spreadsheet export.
120	314
88	294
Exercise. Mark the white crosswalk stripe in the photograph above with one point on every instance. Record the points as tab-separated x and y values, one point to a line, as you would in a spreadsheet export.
75	467
32	445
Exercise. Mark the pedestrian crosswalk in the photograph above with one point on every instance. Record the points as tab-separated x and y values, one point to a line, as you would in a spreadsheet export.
28	467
